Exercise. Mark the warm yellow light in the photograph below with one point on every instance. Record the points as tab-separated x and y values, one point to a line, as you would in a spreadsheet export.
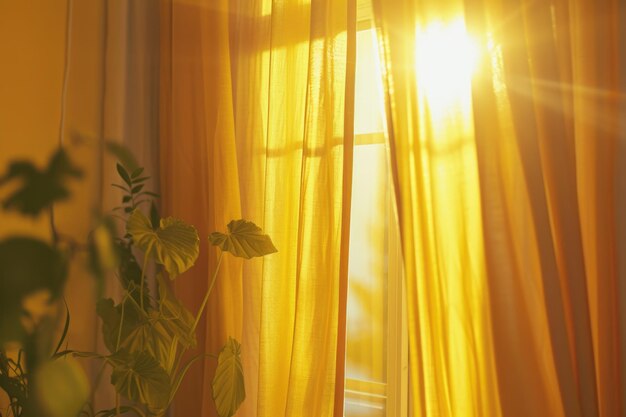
446	57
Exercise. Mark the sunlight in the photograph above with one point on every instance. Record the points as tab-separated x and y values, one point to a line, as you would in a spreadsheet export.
446	58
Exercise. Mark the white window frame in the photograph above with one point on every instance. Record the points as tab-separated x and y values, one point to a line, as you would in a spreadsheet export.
392	396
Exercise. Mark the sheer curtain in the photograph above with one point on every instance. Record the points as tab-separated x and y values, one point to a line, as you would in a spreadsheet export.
509	199
256	115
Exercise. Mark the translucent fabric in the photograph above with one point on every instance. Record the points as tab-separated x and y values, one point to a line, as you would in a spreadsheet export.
508	200
257	123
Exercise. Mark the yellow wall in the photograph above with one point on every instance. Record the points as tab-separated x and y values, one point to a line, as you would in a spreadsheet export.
32	55
31	52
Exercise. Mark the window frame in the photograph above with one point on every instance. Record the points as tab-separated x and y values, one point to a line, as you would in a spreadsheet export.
392	395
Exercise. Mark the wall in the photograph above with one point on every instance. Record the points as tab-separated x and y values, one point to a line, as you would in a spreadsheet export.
111	91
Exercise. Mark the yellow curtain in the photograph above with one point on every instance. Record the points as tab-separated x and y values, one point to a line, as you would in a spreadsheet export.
435	175
256	115
507	196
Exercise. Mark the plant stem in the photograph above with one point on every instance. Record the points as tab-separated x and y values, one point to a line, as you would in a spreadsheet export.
143	274
119	331
132	197
206	296
117	404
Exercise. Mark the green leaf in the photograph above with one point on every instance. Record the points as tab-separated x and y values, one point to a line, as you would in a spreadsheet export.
153	333
137	188
126	199
175	244
123	154
228	386
176	319
39	189
27	266
111	316
61	388
136	173
244	240
152	337
139	377
139	180
123	174
121	187
130	272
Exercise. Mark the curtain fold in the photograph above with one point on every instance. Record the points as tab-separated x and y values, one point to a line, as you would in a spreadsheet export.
199	180
542	140
562	87
434	170
256	122
435	175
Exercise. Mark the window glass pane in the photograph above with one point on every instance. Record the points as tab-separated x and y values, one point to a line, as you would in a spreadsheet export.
368	100
367	293
367	330
367	290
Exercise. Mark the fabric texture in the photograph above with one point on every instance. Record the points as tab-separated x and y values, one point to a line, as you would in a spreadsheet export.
256	124
508	206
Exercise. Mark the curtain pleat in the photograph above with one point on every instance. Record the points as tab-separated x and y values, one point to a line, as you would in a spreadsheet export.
435	175
199	180
597	97
520	327
620	207
547	158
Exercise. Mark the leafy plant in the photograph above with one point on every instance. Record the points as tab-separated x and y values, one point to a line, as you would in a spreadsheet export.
146	334
32	277
39	188
133	188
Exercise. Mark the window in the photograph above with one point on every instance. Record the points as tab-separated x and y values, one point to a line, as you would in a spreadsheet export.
376	358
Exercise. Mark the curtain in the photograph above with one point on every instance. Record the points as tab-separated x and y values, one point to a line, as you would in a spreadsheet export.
435	176
508	199
256	122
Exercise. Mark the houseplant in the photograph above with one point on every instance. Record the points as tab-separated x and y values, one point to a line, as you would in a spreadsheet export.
146	335
32	277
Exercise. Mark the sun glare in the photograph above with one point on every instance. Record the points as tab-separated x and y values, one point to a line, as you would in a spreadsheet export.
446	58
